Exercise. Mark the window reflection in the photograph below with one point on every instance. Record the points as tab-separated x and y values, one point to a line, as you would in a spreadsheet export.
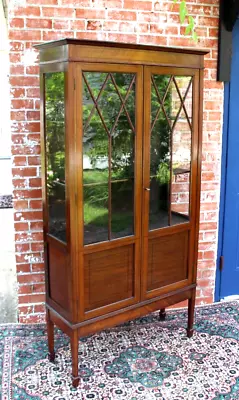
170	150
108	155
55	153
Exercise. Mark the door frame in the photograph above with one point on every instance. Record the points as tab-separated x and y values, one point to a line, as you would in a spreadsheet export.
224	159
191	225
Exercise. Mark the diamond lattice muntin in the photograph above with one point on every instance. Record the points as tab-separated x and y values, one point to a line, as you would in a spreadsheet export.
108	148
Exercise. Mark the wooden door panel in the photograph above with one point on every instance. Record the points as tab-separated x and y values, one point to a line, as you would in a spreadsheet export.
170	175
167	260
58	273
109	277
110	101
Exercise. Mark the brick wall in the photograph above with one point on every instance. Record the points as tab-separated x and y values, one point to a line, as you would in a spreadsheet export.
141	21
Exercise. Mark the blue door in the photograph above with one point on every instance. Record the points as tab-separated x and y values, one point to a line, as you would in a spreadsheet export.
228	278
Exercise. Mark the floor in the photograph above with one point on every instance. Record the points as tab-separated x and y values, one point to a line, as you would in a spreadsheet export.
8	285
144	359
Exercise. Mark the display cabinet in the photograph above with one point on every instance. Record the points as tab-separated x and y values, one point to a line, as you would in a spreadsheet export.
121	151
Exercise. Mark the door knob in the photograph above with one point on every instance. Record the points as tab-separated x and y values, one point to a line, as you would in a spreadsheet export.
147	189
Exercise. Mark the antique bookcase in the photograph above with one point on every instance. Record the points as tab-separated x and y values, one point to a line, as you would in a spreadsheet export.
121	155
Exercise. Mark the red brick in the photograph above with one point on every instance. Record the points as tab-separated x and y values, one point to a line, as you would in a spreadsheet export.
39	308
127	27
62	24
32	318
25	35
15	57
138	5
33	70
121	15
25	309
39	267
28	194
20	204
27	11
35	204
111	26
43	2
208	21
91	35
52	35
42	23
66	12
19	183
18	115
16	23
35	182
121	37
91	14
155	40
21	226
19	160
33	115
26	150
23	268
155	28
36	226
31	278
22	248
33	92
33	298
21	104
24	81
94	25
16	46
34	160
28	216
76	24
24	171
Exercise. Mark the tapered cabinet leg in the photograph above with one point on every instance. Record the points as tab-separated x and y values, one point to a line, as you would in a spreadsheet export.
191	311
50	336
74	355
162	314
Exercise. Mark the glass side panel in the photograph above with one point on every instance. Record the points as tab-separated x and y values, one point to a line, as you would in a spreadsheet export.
55	153
170	150
108	155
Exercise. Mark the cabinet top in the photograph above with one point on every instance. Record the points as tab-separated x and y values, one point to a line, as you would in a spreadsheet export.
83	42
83	51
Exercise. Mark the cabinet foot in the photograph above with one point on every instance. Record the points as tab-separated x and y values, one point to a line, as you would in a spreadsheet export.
190	333
51	357
50	336
191	311
75	382
162	314
74	355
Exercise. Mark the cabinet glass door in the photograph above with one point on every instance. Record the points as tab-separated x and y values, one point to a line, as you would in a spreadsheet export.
111	182
168	176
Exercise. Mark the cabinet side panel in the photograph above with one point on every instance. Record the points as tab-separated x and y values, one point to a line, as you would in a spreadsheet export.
58	276
167	260
109	277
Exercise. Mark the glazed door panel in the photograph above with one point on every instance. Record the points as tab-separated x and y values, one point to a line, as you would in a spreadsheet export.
169	178
109	100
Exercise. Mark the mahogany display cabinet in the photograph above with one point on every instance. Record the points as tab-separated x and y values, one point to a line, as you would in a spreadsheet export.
121	151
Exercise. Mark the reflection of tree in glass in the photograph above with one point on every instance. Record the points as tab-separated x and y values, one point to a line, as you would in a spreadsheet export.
55	152
109	131
55	126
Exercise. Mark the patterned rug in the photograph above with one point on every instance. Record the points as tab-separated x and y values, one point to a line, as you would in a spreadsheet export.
143	359
6	201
